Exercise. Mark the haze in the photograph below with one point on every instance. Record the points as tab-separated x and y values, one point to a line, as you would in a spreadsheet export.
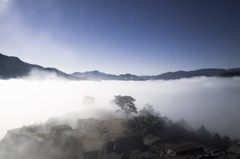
213	102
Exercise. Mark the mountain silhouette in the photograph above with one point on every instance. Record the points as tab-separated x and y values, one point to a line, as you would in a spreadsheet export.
208	72
96	75
13	67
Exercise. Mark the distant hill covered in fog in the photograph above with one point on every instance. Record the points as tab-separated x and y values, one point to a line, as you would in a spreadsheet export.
96	75
208	72
13	67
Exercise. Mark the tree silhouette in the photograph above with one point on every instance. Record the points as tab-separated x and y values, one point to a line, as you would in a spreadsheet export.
216	140
126	103
204	136
147	123
226	142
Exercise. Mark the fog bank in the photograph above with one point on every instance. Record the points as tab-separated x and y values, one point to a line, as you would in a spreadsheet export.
213	102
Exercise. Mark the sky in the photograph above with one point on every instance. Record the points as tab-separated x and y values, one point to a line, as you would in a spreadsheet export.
142	37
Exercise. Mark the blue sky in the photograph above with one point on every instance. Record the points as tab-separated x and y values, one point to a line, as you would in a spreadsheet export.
122	36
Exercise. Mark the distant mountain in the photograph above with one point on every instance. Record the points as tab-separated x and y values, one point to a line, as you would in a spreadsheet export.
209	72
130	77
96	75
13	67
230	74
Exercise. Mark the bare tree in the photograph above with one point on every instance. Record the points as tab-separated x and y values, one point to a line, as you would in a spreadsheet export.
126	103
147	123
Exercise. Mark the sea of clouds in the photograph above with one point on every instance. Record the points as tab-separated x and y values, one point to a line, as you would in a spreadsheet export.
212	102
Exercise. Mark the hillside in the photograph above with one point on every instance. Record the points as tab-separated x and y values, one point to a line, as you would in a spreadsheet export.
13	67
95	139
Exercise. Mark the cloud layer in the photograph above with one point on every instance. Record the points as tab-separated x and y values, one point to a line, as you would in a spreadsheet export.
212	102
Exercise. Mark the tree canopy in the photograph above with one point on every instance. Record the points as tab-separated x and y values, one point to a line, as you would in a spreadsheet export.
126	103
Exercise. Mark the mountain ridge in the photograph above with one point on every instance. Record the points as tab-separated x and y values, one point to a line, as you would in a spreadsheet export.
97	75
207	72
13	67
